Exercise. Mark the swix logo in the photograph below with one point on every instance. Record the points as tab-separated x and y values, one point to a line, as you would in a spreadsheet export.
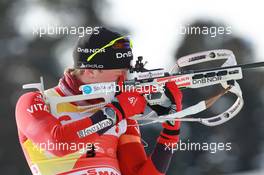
132	100
123	55
37	107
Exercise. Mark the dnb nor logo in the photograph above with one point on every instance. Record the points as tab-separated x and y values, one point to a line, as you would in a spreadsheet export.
124	55
86	50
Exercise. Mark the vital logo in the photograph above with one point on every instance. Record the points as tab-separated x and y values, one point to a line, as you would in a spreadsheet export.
85	50
120	55
37	107
207	80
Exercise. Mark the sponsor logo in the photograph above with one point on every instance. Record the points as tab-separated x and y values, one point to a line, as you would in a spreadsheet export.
86	50
104	87
120	55
95	171
223	54
207	80
181	81
102	171
200	57
98	88
235	107
38	98
132	100
38	107
91	66
150	75
87	89
94	128
177	79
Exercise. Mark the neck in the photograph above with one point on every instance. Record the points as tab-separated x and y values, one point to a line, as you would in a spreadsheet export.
70	84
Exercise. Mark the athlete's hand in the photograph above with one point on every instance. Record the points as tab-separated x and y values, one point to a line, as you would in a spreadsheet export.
171	129
174	94
127	103
131	103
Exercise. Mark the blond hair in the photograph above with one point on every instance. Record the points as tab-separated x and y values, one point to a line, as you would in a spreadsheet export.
73	71
76	72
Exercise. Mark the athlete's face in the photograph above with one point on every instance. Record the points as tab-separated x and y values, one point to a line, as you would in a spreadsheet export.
97	76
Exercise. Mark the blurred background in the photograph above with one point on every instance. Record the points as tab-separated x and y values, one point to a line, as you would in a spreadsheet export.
154	27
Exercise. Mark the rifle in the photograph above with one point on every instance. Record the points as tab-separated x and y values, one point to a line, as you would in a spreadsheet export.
150	83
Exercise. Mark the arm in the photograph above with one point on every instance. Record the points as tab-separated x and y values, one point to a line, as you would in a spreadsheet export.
133	159
131	153
37	124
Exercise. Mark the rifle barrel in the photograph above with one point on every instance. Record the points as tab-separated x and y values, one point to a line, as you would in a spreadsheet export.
252	65
243	66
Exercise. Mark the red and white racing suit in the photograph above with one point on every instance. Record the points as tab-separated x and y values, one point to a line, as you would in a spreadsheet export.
52	145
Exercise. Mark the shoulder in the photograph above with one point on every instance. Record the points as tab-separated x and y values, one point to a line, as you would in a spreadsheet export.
30	103
29	98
